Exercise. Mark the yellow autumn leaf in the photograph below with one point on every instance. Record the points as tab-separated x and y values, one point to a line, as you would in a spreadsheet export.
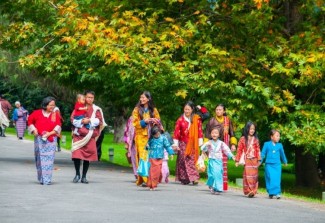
196	12
168	19
181	93
311	59
114	56
175	27
66	39
167	44
146	39
82	24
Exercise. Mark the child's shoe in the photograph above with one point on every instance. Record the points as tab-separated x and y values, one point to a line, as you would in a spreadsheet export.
271	196
278	196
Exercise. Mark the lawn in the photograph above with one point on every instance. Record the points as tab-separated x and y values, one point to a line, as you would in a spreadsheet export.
288	178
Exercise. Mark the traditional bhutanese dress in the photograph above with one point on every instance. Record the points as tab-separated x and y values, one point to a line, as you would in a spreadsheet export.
129	134
273	153
253	157
156	148
227	135
84	144
20	119
187	136
216	150
44	150
165	168
142	130
4	109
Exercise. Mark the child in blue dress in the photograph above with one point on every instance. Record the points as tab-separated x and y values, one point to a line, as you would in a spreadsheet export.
273	154
215	149
156	146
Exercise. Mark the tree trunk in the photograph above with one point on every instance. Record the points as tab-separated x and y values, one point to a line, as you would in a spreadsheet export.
321	166
119	125
306	169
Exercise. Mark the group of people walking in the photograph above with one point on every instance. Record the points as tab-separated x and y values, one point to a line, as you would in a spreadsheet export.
188	140
45	125
148	144
19	117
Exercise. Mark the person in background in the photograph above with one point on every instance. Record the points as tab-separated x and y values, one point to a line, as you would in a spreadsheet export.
19	118
99	142
250	146
188	136
59	136
45	124
227	135
5	107
273	154
131	154
202	112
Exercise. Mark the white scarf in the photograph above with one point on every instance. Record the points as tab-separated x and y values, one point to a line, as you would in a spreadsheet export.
4	121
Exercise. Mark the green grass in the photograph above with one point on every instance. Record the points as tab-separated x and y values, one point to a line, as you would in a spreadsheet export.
288	178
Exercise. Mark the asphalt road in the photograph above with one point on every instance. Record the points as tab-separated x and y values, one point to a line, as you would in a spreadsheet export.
112	196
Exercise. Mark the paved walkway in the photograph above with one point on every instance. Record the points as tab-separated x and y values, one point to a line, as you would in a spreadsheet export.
111	196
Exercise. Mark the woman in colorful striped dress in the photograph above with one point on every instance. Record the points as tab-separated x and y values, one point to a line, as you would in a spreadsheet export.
188	136
250	146
45	124
19	119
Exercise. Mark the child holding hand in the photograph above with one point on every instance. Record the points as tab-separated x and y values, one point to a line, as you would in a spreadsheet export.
215	149
156	146
273	154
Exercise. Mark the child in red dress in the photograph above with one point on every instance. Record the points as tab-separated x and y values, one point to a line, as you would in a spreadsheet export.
80	109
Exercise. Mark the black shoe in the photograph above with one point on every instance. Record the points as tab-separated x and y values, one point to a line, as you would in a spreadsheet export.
84	180
76	179
59	149
271	196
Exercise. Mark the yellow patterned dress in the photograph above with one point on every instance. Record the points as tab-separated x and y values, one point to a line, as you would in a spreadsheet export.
142	137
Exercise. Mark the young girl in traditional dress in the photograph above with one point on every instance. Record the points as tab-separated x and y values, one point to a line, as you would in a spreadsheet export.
249	146
215	149
156	146
227	135
273	153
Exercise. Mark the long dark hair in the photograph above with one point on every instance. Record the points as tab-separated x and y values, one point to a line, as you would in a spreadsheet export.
192	105
224	109
151	105
246	131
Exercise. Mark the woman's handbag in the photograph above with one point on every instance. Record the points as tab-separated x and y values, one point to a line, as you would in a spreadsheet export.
143	168
200	165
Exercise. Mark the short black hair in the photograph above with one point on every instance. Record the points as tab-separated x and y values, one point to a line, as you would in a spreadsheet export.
46	101
154	130
90	92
